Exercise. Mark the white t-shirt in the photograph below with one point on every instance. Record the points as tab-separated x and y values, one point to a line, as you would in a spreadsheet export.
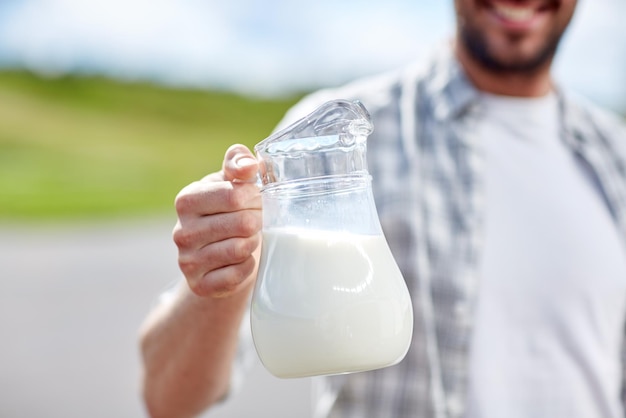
552	298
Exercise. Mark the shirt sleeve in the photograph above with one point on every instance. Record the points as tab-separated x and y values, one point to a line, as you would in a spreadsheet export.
623	391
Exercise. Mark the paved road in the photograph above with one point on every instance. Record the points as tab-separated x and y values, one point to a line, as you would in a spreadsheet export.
71	301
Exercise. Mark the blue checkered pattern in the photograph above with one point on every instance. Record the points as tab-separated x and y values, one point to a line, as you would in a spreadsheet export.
427	167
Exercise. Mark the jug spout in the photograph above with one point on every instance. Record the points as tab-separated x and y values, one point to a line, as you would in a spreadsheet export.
329	141
348	119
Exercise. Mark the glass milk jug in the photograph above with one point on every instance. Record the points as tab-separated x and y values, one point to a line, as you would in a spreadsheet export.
329	297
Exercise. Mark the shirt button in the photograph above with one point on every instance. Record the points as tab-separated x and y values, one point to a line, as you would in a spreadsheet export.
455	405
462	313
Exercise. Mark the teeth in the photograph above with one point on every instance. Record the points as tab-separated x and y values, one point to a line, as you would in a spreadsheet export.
515	14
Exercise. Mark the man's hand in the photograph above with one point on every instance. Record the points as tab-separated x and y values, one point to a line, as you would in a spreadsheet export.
219	220
188	343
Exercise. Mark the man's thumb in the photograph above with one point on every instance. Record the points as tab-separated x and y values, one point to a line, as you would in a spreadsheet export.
239	164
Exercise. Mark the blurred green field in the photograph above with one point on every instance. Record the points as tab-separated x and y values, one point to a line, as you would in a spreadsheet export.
96	148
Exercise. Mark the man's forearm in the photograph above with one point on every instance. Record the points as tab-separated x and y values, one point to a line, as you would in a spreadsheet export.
188	346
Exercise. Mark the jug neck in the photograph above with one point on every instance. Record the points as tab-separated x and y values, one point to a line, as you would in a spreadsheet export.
319	185
329	203
333	162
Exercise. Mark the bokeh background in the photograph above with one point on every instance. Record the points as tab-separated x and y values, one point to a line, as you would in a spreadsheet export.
108	108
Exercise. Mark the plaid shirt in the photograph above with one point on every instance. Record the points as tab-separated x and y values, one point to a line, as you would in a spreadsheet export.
427	167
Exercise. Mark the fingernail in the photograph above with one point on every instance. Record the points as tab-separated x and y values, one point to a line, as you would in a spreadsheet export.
244	162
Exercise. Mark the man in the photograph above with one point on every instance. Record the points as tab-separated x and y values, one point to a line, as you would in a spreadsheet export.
504	204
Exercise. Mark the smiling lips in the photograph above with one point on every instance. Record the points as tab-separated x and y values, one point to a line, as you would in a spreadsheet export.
513	13
517	12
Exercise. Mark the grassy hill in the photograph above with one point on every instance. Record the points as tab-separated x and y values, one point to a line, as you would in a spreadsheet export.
93	147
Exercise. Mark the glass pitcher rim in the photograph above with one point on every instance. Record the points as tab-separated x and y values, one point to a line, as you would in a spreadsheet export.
359	125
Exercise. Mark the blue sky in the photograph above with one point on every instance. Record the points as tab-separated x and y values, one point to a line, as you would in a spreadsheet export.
276	46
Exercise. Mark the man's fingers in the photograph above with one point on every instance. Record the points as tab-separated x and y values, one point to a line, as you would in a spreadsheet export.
206	198
219	220
223	281
232	251
194	233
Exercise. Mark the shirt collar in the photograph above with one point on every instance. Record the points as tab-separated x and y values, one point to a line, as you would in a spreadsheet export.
447	84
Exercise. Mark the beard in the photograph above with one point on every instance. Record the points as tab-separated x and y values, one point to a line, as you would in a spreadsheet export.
477	46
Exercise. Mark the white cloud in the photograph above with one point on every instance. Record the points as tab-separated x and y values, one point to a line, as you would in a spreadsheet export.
268	46
138	36
245	44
